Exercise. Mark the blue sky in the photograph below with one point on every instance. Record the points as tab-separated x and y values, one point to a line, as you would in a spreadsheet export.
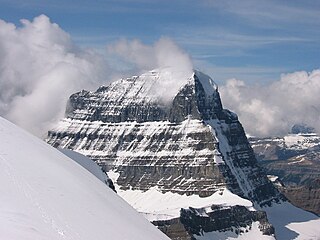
251	40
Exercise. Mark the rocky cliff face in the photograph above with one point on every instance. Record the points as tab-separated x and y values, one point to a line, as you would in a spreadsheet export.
193	146
169	155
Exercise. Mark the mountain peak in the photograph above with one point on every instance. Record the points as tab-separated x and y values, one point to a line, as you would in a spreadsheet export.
196	107
157	95
207	82
189	153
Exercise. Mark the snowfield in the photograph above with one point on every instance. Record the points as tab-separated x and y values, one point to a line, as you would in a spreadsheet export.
87	163
155	205
46	195
289	221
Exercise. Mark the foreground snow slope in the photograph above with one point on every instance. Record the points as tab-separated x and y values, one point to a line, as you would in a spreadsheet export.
88	164
46	195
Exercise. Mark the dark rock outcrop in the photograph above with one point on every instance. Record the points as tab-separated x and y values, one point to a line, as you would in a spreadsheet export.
174	229
235	218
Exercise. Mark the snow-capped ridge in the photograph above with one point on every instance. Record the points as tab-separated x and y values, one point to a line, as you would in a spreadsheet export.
88	164
207	82
161	84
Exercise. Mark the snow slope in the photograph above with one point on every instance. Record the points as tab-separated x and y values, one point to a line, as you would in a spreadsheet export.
155	205
88	164
46	195
291	222
252	233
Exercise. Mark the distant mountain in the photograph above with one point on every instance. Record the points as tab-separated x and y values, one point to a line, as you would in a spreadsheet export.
302	129
295	161
46	195
184	163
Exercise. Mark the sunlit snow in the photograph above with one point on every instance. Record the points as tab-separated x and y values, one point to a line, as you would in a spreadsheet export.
46	195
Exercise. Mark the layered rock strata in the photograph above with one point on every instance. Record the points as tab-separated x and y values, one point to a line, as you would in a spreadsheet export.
193	146
190	146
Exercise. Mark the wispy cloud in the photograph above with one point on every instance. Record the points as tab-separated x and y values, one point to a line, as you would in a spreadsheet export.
90	7
207	38
163	54
271	13
41	66
252	74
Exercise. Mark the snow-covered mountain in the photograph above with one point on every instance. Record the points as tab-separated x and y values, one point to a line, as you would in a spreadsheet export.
294	161
184	163
46	195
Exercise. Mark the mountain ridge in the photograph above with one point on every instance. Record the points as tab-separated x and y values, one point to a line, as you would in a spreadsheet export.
293	162
193	147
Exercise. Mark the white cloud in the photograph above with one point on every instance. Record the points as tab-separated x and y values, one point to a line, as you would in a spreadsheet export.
161	55
273	109
39	68
264	110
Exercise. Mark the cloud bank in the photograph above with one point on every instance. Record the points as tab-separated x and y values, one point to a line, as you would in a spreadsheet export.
40	67
273	109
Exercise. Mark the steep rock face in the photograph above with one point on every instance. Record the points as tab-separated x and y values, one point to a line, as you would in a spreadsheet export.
193	146
125	100
175	157
174	229
190	147
295	160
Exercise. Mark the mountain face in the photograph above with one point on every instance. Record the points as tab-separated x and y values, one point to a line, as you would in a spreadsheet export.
184	164
47	195
294	161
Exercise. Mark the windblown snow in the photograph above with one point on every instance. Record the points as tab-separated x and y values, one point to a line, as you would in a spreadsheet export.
46	195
